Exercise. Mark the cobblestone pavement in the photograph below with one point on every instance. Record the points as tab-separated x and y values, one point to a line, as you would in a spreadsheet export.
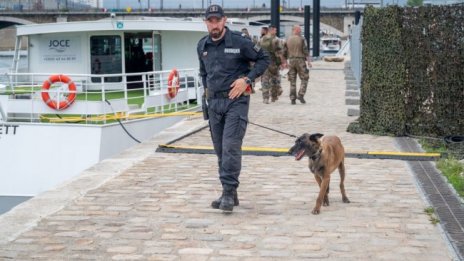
156	206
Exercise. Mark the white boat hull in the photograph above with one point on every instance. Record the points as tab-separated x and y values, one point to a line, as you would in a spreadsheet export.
37	157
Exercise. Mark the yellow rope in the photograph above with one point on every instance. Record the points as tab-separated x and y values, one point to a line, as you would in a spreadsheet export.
120	116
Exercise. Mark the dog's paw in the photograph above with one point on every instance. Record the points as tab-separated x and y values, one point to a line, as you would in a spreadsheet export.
326	202
346	200
316	211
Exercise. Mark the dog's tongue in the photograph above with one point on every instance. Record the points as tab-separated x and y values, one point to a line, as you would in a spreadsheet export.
299	155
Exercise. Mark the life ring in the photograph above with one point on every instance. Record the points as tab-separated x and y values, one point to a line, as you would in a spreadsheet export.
173	83
70	96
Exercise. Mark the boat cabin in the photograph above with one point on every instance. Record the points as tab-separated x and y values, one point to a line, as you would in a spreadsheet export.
111	46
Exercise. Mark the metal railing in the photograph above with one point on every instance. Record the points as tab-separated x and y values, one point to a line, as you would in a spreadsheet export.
356	51
98	96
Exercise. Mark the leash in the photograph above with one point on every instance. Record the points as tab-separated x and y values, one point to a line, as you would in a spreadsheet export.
278	131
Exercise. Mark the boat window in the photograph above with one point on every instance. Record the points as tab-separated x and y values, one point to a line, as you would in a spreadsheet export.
106	57
138	56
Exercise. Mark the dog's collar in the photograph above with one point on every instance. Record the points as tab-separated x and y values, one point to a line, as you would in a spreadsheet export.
316	155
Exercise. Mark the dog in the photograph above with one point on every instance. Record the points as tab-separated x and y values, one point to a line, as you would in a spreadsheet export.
326	153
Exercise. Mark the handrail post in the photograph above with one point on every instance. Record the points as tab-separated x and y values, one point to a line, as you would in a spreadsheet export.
162	92
197	89
102	80
145	80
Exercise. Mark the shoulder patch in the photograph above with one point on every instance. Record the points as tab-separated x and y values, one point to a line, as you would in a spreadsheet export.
257	47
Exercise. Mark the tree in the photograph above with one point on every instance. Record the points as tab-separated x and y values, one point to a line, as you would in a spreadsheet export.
415	2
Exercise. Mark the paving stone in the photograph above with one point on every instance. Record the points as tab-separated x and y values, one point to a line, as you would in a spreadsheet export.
351	101
122	249
352	87
173	237
55	247
353	112
195	251
163	258
203	237
196	223
273	254
68	234
127	257
352	93
236	252
313	255
230	232
157	250
306	247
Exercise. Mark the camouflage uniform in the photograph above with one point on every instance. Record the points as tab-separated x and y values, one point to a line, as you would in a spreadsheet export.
270	80
297	51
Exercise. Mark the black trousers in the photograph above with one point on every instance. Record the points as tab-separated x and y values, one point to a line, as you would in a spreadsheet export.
228	121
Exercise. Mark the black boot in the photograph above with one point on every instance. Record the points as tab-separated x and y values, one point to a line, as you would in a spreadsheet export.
228	196
215	204
302	100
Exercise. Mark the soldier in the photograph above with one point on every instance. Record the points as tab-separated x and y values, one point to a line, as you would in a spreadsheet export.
264	31
225	58
270	81
245	33
297	52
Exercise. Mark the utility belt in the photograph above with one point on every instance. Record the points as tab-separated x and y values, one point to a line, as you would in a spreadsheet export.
225	94
218	95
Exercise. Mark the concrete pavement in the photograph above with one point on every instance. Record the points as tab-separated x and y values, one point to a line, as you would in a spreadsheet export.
144	205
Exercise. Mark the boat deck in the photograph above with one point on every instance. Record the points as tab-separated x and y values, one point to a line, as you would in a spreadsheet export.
143	205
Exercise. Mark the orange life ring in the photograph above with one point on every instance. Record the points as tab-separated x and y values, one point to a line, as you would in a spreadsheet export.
70	97
173	83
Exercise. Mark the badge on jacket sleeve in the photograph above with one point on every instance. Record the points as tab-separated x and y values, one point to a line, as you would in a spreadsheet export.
257	47
205	54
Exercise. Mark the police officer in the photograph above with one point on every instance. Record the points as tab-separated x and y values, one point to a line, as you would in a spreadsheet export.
297	52
225	57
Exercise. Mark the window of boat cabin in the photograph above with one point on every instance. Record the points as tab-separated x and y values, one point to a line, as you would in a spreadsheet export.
106	57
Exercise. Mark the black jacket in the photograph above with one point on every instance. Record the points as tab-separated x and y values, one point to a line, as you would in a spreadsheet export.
222	62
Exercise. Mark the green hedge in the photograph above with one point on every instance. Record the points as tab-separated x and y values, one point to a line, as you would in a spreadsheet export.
413	71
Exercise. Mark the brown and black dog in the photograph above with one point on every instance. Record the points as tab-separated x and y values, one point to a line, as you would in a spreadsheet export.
326	153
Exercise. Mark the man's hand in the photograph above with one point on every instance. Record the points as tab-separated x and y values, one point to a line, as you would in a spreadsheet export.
308	62
238	87
284	64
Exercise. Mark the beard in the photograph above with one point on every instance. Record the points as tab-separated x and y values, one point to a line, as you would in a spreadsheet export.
216	33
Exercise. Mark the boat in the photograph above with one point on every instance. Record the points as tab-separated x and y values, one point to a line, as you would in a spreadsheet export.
330	44
90	90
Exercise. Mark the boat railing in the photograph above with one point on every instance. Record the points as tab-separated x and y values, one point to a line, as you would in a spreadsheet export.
98	97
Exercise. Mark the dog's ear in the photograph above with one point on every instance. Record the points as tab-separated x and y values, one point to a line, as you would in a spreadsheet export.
303	138
314	137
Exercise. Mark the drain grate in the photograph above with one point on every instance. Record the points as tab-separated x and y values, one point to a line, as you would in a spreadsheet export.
444	200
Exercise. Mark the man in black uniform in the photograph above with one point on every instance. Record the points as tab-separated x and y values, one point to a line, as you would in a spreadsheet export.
225	57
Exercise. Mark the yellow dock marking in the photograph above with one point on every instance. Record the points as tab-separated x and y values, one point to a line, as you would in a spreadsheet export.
284	150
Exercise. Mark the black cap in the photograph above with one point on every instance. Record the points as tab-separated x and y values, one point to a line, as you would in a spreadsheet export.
214	11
